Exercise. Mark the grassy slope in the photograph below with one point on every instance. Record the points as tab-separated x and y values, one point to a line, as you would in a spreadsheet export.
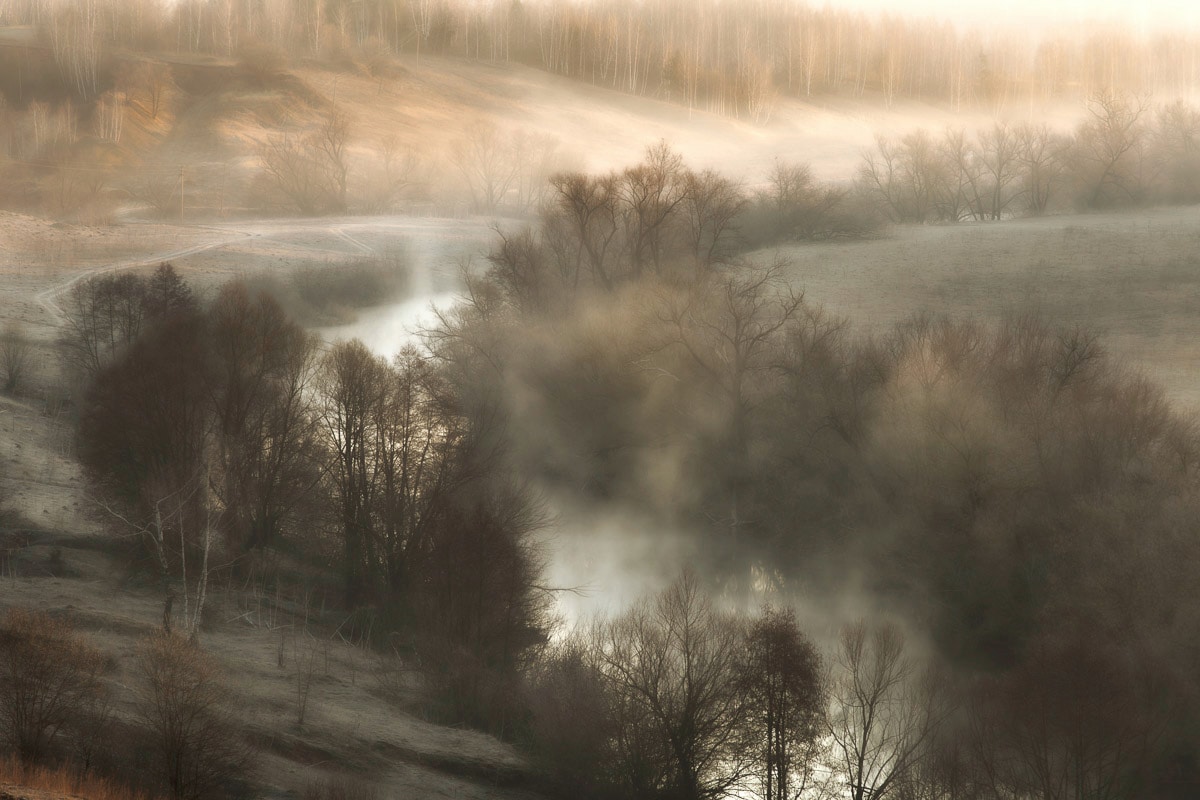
351	723
219	114
1134	279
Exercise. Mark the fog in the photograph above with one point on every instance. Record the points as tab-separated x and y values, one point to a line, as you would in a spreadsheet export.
1054	16
658	401
435	255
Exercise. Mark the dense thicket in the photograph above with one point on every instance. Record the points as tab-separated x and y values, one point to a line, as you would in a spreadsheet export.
218	428
1020	496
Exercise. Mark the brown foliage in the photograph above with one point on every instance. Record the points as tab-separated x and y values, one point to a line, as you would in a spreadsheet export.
184	702
48	677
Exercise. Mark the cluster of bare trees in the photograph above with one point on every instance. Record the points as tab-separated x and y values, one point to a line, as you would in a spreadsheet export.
54	701
76	35
660	218
193	426
215	433
509	170
430	531
60	145
48	677
311	172
676	699
1125	152
729	60
714	56
996	482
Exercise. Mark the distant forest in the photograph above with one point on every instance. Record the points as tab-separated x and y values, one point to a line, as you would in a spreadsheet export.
730	59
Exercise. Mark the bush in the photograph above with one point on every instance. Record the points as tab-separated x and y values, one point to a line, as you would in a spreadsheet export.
186	706
261	64
48	678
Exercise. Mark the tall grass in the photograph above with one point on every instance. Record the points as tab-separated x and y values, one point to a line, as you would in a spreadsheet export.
63	780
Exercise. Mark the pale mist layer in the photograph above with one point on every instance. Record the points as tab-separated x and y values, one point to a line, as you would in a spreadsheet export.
436	251
601	562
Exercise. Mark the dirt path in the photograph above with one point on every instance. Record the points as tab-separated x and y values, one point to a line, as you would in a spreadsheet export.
49	297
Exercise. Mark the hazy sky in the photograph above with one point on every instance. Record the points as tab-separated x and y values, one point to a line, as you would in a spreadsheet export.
1137	14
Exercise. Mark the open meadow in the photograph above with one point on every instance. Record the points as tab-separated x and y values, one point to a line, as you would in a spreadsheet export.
1132	279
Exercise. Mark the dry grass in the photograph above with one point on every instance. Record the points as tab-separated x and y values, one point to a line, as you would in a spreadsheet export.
58	783
1132	278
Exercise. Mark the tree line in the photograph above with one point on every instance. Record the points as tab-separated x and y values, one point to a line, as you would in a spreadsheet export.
1125	153
724	59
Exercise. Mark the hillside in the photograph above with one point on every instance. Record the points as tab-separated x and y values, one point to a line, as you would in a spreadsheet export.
205	121
363	717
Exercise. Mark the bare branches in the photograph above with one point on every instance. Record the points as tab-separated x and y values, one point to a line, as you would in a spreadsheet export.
48	677
311	172
16	355
884	711
188	708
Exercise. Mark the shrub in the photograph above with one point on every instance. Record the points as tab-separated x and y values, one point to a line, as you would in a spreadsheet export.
48	677
186	706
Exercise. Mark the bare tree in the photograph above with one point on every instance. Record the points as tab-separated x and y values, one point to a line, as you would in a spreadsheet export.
384	188
999	151
352	385
538	157
711	207
15	356
724	333
75	33
884	712
311	172
799	204
651	193
330	145
1107	150
169	521
1040	152
670	666
785	701
587	208
147	84
103	316
265	456
485	159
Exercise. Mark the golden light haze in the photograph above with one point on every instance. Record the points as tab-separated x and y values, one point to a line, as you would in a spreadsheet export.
1140	16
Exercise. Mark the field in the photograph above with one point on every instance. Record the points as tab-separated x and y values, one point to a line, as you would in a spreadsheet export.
1134	279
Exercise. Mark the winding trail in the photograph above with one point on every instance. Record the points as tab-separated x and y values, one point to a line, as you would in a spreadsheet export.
431	234
48	298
